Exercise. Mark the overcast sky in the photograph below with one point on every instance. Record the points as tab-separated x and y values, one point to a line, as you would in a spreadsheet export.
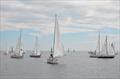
79	21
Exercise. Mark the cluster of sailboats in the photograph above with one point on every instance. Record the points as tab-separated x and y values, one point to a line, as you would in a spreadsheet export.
58	49
19	51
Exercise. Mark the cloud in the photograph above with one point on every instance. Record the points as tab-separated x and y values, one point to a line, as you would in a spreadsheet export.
74	15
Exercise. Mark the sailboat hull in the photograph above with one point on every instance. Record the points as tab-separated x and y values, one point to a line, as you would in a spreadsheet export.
16	56
52	61
35	56
112	56
101	56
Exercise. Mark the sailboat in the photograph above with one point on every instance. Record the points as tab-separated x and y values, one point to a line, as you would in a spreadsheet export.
18	53
68	50
11	50
107	50
6	51
36	53
58	50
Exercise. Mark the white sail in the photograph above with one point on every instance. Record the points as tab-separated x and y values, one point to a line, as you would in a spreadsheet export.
103	51
11	50
58	49
111	49
36	48
107	49
6	49
19	50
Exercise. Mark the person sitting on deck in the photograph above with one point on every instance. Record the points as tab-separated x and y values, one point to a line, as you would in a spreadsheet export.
51	55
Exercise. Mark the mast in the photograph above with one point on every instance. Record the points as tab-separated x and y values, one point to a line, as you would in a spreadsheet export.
99	42
19	41
36	45
106	45
6	49
18	46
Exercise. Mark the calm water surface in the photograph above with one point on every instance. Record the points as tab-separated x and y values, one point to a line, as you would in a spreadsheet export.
76	65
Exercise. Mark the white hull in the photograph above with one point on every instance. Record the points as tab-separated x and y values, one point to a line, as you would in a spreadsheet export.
52	61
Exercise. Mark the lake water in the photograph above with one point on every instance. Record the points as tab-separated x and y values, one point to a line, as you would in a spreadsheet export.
75	65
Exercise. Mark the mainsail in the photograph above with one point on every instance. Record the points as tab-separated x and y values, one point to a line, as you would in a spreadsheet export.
36	48
19	50
111	49
58	49
107	49
104	50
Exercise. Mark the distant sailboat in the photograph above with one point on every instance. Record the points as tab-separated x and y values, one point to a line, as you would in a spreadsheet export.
36	53
68	50
18	53
6	50
58	49
11	50
107	50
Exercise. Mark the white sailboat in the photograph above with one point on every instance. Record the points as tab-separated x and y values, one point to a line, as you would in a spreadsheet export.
58	49
107	50
36	53
18	53
6	50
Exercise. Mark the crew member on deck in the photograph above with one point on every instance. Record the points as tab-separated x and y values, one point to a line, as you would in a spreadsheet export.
51	55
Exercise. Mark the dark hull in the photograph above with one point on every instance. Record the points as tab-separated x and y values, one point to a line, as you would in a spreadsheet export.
35	56
17	57
93	56
106	57
100	56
